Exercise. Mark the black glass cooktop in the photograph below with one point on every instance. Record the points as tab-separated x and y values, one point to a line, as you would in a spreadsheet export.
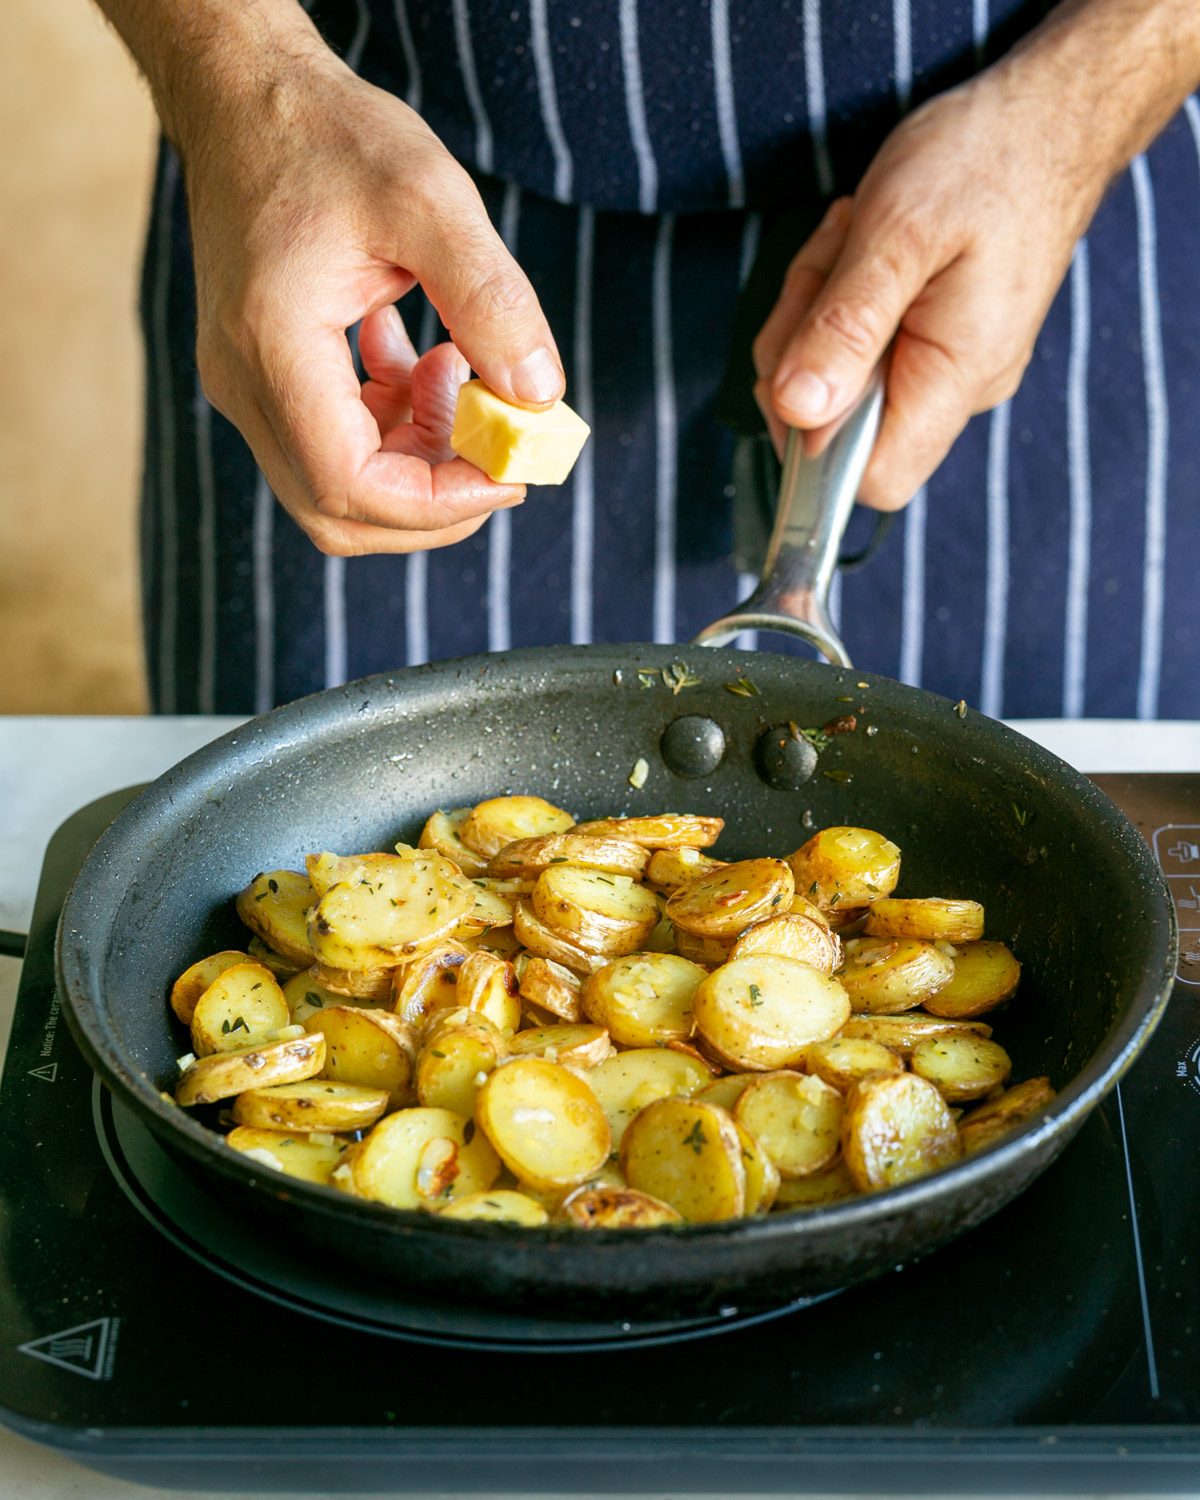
150	1335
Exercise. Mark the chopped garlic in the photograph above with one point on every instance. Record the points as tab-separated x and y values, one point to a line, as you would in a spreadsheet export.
641	770
184	1063
321	1138
264	1158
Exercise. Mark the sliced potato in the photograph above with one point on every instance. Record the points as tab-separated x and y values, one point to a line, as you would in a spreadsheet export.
665	831
194	980
843	1060
902	1033
792	936
548	942
428	982
305	995
371	1048
802	907
546	1123
442	834
728	1090
643	999
224	1075
241	1007
985	975
607	914
293	1155
422	1158
690	1156
845	867
896	1127
498	1206
459	1049
275	906
389	907
573	1046
616	1208
760	1013
491	909
356	984
551	986
725	902
711	953
626	1083
830	1185
884	976
488	984
529	857
762	1175
490	825
314	1105
987	1123
499	940
281	966
961	1068
669	869
934	918
796	1119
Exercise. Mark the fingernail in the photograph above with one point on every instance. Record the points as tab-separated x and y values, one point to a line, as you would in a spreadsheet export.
805	395
538	377
394	321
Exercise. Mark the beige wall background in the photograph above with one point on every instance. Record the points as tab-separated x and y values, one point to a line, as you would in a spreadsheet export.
75	171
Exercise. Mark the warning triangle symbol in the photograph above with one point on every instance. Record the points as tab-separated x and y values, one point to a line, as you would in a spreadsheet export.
83	1349
48	1072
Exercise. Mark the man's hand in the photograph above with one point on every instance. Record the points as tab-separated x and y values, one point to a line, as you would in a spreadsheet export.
317	201
961	232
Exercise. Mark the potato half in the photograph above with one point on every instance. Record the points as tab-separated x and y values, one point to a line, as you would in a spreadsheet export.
896	1127
194	980
796	1119
760	1013
545	1122
689	1155
643	999
626	1083
422	1158
605	914
492	824
275	906
227	1074
934	918
723	903
985	975
884	976
845	867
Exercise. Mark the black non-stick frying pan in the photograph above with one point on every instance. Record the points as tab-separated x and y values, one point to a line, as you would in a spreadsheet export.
978	811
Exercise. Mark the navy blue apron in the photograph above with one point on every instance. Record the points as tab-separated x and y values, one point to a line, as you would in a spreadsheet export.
634	155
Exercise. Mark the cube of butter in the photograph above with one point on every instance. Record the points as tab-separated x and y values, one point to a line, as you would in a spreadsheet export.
512	445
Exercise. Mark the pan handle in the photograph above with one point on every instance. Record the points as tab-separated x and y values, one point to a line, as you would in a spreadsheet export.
821	474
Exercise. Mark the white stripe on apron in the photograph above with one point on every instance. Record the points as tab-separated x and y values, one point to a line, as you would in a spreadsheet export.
168	508
206	554
979	29
411	61
582	490
814	89
264	596
912	614
499	527
731	148
1157	428
544	67
635	108
416	577
902	51
747	582
665	436
995	625
1079	477
466	64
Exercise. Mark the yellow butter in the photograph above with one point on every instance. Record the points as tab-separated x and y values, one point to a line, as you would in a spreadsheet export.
512	445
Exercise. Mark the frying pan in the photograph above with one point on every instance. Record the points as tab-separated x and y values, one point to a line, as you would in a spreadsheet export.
977	809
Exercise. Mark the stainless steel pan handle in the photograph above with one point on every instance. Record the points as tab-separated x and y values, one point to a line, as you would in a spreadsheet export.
816	495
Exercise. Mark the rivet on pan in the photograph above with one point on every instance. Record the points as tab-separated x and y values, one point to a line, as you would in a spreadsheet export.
783	760
692	745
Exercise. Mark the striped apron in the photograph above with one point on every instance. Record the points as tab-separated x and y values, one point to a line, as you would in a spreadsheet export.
633	154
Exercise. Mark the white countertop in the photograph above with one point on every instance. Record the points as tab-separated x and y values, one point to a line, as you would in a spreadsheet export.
51	767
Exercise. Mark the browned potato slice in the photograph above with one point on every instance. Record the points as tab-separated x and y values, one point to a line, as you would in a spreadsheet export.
616	1208
762	1175
422	1158
371	1048
843	1060
666	831
671	868
902	1033
845	867
988	1122
192	983
934	918
761	1012
847	922
502	941
548	942
961	1068
644	998
689	1155
459	1050
241	1007
428	982
282	967
529	857
728	1090
491	909
227	1074
711	953
498	1206
795	1118
801	907
792	936
356	984
390	906
442	833
488	984
608	914
985	975
305	995
884	976
490	825
828	1186
551	986
896	1127
545	1122
573	1046
293	1155
275	906
313	1105
629	1081
725	902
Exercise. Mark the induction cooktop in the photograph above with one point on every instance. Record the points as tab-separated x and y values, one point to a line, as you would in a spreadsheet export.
149	1333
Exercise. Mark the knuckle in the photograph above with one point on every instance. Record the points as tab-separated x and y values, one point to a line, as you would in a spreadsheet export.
329	504
501	295
331	541
855	323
